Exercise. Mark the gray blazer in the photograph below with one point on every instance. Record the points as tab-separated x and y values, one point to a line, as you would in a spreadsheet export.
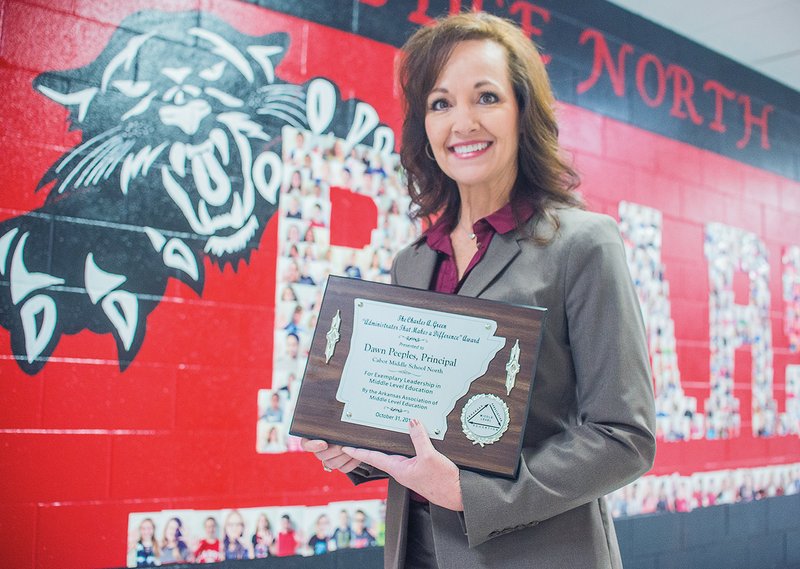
592	418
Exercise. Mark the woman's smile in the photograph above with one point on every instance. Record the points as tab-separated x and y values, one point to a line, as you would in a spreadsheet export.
469	149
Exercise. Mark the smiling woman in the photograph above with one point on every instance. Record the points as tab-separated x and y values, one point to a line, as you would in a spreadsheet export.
503	69
480	147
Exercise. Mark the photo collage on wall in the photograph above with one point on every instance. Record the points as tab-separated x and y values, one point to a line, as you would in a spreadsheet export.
791	328
676	414
733	323
791	296
676	493
208	536
312	165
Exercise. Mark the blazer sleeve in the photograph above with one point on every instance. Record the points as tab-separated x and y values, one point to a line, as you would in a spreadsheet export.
610	442
364	473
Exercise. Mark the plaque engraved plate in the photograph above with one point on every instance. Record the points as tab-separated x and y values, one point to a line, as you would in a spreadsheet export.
408	362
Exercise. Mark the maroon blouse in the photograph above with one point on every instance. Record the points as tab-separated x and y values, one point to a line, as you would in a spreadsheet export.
438	237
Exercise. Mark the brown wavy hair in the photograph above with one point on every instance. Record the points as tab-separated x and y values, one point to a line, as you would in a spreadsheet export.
544	177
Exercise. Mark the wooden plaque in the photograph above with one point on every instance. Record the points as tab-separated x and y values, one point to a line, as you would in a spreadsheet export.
383	354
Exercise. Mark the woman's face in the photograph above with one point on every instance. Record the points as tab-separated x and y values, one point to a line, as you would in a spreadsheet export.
472	118
171	529
288	294
292	272
234	526
146	530
263	522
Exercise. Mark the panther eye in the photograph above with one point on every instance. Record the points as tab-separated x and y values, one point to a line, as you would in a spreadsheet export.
214	72
224	97
131	88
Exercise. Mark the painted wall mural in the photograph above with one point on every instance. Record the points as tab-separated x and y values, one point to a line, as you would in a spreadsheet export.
178	180
180	153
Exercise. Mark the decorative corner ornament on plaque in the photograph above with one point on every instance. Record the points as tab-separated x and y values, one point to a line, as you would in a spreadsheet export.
484	419
333	336
512	368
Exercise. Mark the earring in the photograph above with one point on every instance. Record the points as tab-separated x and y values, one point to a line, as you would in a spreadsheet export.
429	151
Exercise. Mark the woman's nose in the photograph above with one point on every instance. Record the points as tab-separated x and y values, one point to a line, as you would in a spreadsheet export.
464	119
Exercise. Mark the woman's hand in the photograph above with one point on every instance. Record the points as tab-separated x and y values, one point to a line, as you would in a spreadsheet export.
331	456
430	474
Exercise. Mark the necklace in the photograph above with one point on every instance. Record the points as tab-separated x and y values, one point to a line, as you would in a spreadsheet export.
468	232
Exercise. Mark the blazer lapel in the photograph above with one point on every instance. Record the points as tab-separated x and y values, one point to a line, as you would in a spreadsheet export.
424	262
501	252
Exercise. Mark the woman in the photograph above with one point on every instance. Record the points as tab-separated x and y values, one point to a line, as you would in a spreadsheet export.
480	145
234	545
263	538
173	548
273	442
147	551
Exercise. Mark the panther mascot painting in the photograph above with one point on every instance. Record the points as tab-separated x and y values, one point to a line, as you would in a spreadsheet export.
179	160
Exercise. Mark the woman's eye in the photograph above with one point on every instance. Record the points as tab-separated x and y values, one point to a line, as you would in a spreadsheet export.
439	105
488	98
